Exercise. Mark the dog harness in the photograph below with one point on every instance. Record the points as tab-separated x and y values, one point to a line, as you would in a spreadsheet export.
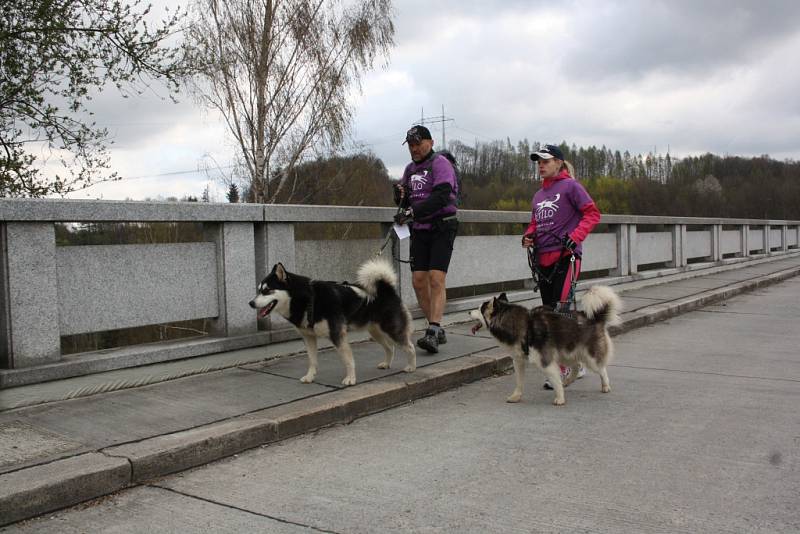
538	276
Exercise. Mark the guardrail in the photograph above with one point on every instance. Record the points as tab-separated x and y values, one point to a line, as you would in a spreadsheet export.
49	291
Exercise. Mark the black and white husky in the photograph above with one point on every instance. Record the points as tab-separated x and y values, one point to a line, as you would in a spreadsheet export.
318	308
549	339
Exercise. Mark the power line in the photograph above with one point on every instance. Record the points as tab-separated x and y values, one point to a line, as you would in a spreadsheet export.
173	173
458	127
431	120
379	140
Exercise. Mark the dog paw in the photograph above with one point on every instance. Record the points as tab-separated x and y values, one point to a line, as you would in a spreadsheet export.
559	402
605	389
349	381
383	365
307	379
410	369
514	397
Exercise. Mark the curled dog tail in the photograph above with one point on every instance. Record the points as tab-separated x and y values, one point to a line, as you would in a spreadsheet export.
375	275
601	304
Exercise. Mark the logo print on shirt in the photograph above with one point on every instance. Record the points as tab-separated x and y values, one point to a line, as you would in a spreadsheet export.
547	208
419	180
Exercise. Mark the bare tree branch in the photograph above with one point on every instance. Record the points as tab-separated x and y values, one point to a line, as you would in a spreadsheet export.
280	72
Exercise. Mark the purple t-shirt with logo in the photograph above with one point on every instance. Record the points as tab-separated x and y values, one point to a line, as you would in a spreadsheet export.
558	212
419	179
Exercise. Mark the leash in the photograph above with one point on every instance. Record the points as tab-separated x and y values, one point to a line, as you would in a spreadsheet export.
388	234
385	242
572	305
387	239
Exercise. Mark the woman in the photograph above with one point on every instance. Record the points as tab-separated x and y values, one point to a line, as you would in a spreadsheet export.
563	214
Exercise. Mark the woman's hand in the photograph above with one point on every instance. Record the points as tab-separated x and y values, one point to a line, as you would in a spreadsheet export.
527	241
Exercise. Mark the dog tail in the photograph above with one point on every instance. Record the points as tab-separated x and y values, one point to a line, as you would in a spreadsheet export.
601	304
375	273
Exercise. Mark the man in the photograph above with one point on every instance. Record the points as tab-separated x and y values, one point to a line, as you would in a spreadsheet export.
427	196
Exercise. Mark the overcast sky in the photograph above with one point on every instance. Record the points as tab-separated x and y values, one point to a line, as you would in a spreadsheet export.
695	76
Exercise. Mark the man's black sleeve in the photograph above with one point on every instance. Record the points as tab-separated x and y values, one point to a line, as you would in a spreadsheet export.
439	198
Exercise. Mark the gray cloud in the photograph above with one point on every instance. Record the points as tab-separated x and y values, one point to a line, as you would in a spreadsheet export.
712	76
628	40
691	76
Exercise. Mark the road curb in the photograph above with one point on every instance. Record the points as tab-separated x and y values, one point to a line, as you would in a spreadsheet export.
40	489
163	455
663	311
44	488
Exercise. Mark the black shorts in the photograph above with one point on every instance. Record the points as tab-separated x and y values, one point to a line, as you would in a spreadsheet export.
431	249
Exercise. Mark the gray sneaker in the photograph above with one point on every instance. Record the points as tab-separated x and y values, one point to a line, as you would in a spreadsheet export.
441	337
429	341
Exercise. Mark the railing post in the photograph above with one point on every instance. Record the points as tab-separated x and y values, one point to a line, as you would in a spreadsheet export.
633	254
274	242
678	246
797	235
716	242
626	253
744	240
621	238
766	232
784	232
28	296
235	275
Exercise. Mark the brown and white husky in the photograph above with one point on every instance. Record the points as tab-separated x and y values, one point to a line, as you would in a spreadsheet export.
549	339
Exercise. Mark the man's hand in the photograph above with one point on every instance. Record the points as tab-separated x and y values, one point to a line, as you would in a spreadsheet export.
404	217
569	243
399	193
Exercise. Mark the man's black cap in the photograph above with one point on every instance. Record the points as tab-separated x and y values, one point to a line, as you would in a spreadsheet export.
548	152
417	134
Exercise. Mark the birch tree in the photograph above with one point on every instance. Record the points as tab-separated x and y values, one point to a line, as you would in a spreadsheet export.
281	72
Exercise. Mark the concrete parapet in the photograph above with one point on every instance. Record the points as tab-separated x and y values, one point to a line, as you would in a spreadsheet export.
48	291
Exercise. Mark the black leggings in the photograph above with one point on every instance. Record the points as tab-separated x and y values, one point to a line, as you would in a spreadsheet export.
557	289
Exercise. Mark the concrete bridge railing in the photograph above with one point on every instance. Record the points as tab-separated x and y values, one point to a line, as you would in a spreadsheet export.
48	291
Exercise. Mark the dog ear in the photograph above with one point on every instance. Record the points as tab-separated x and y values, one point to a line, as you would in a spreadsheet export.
502	297
280	272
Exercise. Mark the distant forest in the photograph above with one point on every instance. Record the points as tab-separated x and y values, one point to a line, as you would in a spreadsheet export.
500	176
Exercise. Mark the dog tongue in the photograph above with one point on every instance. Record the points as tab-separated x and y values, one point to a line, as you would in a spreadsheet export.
263	312
476	327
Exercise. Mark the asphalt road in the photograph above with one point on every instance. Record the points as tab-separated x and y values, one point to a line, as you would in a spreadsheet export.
700	433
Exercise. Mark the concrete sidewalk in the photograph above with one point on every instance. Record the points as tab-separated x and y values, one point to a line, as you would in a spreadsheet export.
69	441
